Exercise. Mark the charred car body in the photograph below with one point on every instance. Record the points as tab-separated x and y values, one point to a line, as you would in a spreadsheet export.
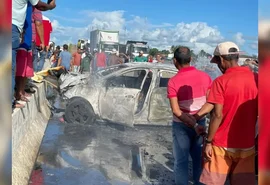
133	93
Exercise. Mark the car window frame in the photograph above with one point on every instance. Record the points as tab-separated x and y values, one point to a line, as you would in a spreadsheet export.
127	71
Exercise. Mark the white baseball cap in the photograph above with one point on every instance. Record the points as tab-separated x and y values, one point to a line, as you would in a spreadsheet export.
114	51
223	49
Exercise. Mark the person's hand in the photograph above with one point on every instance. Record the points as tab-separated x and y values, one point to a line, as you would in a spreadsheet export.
208	152
196	117
200	130
188	119
42	47
52	4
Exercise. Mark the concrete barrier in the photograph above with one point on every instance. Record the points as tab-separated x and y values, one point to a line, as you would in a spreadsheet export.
28	128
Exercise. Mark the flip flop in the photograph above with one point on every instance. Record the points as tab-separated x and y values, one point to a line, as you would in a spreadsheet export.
17	105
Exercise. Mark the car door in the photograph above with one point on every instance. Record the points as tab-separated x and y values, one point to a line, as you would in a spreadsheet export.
120	98
159	107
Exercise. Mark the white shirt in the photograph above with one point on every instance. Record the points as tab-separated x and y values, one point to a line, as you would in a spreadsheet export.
83	55
19	12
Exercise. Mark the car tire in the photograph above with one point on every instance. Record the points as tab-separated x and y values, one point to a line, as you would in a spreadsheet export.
79	111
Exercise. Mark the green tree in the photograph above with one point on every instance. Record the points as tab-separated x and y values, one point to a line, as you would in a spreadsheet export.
153	51
166	52
70	46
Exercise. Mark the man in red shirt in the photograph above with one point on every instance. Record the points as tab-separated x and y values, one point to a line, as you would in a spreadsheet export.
101	60
187	92
230	144
76	60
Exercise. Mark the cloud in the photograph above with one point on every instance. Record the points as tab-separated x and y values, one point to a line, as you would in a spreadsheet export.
197	35
254	46
238	37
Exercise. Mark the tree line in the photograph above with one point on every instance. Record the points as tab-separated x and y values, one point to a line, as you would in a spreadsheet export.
155	51
202	53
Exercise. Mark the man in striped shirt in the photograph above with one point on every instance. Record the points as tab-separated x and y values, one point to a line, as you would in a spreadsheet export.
187	92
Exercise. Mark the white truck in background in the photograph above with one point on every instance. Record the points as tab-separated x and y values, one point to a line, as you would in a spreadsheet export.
104	40
133	48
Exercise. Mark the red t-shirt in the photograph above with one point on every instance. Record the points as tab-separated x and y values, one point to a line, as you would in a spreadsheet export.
237	91
101	59
77	59
190	86
47	26
264	128
5	14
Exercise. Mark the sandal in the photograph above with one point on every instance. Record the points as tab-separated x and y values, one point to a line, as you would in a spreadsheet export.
15	105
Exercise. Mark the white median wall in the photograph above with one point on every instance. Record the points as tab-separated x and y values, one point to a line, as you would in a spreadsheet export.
28	128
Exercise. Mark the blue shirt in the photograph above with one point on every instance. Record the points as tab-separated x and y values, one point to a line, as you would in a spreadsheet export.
65	59
28	28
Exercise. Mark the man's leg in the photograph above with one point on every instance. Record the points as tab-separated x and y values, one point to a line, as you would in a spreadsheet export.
216	171
15	46
196	155
35	57
243	168
41	60
181	147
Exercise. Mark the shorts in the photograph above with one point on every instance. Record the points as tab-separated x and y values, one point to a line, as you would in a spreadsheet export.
24	63
238	166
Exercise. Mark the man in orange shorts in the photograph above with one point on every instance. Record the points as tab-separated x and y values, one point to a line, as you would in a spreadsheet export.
230	143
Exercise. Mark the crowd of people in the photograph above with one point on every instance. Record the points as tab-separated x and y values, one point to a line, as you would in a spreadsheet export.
232	101
84	61
30	45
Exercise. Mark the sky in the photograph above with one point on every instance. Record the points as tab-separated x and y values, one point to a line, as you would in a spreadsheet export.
198	24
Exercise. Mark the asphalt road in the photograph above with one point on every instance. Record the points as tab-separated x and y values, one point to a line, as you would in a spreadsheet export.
105	154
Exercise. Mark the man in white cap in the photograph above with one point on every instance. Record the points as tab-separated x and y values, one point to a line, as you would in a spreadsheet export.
233	99
114	59
140	58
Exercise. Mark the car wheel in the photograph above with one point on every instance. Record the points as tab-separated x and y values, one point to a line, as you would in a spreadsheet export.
79	111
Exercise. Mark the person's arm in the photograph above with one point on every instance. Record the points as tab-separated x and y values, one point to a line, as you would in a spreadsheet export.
72	60
172	95
207	107
215	121
40	32
120	61
216	97
179	114
59	60
43	6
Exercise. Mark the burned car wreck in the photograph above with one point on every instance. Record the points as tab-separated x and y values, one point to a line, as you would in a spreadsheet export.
130	94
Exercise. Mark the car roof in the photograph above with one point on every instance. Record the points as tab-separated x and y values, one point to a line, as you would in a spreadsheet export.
148	65
111	70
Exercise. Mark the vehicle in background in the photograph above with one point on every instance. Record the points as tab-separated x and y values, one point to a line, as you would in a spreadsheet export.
133	48
123	48
104	40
